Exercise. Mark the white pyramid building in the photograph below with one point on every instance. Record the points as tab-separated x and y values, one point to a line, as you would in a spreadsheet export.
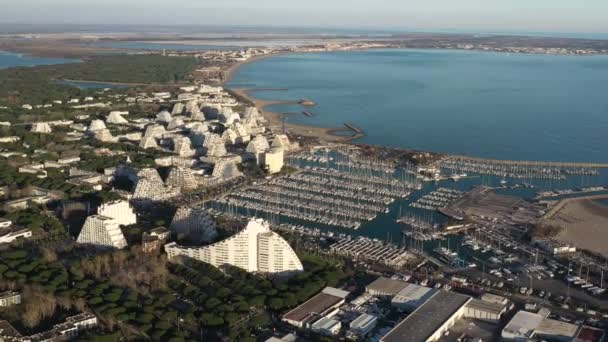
41	127
254	249
178	109
148	142
116	118
102	231
120	211
154	131
164	117
181	178
197	224
150	187
96	125
281	141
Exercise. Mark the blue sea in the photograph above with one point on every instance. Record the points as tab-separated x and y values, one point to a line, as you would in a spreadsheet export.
9	59
494	105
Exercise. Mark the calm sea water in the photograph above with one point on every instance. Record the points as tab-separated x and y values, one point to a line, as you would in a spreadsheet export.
9	59
507	106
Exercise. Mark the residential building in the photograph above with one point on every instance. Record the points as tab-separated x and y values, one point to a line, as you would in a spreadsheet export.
10	298
120	211
254	249
102	231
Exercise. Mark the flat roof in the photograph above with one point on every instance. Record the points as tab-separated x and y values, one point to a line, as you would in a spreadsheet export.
315	305
325	323
428	318
413	292
363	321
386	285
485	306
589	334
552	327
523	323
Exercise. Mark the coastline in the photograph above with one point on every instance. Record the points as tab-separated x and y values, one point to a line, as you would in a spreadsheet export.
275	119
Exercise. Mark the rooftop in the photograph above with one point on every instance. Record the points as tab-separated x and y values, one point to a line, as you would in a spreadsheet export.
386	285
423	322
485	306
316	305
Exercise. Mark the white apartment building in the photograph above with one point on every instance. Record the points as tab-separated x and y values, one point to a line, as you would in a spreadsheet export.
102	231
120	211
254	249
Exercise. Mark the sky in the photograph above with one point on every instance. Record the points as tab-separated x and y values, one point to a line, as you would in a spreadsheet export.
429	15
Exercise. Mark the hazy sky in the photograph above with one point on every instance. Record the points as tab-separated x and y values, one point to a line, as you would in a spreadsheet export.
510	15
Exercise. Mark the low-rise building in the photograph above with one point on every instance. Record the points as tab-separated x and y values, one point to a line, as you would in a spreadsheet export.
363	325
431	320
527	325
324	304
385	287
411	297
11	236
327	326
9	298
485	311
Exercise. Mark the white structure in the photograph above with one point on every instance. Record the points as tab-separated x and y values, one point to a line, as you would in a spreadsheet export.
151	187
12	236
327	326
178	109
273	160
525	326
9	298
363	324
148	142
175	124
164	117
154	131
120	211
254	249
194	223
96	125
182	146
257	147
282	141
116	118
181	178
41	127
102	231
412	297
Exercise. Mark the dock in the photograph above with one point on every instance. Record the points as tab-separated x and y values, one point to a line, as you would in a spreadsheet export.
354	128
531	163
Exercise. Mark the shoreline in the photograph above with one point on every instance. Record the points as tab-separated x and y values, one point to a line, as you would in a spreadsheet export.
275	119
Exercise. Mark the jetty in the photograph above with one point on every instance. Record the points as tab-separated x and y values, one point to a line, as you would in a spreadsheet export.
531	163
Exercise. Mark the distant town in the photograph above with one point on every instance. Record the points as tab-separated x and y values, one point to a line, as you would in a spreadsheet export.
156	202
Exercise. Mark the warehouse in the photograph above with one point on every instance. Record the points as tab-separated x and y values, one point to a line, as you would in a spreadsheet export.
411	297
385	287
327	326
326	303
363	325
431	320
526	325
484	310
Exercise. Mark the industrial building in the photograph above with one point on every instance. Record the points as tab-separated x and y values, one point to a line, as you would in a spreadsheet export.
324	304
485	310
254	249
362	325
527	325
431	320
385	287
590	334
411	297
327	326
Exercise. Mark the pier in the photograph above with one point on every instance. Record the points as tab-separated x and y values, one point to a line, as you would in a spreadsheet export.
531	163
